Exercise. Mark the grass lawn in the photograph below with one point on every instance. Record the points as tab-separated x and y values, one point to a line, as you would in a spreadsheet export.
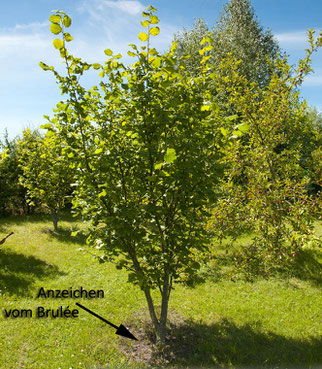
271	323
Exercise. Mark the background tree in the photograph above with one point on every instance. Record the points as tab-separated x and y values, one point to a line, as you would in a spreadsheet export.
311	154
12	193
146	160
265	184
189	43
237	32
45	172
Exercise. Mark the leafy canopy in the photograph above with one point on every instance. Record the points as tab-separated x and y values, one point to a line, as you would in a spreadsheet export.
145	149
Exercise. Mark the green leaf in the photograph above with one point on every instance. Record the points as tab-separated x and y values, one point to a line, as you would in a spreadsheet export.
154	31
68	37
134	47
205	39
63	52
207	48
153	9
224	131
55	18
170	156
59	12
143	36
98	151
205	58
232	117
154	19
236	134
46	126
67	21
43	66
153	51
96	66
55	28
108	52
158	166
50	133
243	127
205	107
156	62
145	23
59	44
103	193
102	74
129	53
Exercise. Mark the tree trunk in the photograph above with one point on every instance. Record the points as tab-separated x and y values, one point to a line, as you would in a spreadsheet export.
164	309
160	325
55	218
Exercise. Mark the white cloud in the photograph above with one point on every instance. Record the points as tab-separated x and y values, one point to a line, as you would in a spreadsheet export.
19	44
130	7
313	80
27	92
292	37
115	25
22	48
31	27
24	42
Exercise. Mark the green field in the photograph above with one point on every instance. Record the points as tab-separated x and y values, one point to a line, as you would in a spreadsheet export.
271	323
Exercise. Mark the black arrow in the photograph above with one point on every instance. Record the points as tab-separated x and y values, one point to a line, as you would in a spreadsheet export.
4	240
121	330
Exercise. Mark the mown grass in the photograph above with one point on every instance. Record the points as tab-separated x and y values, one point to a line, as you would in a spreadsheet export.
271	323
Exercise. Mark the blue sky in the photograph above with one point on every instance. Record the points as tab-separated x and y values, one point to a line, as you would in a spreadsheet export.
27	92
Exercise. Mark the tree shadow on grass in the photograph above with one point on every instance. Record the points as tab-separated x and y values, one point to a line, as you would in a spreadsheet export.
64	235
306	267
10	221
18	272
13	220
224	344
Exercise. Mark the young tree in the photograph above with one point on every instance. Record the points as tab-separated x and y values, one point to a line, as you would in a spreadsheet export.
46	173
146	156
148	147
265	186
